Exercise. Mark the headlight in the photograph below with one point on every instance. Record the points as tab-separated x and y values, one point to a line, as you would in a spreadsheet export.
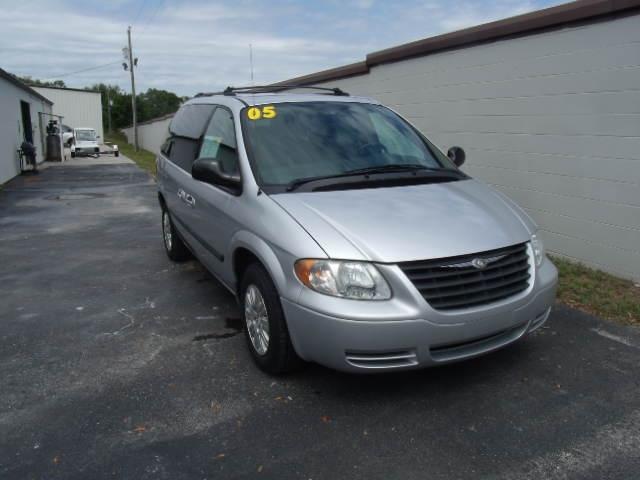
538	249
355	280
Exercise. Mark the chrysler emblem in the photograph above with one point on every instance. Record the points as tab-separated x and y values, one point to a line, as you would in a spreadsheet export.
479	263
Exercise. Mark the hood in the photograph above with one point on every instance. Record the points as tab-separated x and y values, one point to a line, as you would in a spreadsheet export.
408	223
86	143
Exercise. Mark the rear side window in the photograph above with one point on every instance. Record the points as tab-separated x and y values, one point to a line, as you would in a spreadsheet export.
190	121
185	131
219	141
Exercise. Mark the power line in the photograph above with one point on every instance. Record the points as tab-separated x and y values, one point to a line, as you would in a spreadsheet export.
144	2
152	15
55	77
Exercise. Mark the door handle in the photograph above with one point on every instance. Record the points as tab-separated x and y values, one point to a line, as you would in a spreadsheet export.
186	198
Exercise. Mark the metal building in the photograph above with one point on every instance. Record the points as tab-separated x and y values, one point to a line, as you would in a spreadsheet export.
24	114
80	108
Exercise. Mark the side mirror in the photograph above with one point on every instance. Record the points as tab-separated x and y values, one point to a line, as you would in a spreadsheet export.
97	136
209	170
457	155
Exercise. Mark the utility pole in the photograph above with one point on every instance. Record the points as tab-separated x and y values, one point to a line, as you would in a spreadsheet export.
109	108
133	91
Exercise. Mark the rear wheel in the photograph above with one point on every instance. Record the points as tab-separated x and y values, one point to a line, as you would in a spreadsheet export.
266	330
173	244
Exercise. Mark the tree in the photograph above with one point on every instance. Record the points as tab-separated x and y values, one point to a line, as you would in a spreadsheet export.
121	106
150	104
34	82
156	103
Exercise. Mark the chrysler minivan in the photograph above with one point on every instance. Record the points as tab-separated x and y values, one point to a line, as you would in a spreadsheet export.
347	236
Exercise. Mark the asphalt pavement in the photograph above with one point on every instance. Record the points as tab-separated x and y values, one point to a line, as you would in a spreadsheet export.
117	363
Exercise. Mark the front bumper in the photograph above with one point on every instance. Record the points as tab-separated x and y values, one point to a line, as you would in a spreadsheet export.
87	151
365	344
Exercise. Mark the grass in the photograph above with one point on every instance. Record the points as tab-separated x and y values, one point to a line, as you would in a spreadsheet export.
143	158
598	293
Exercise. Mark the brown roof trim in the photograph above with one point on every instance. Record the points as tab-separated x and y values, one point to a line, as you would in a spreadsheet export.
553	17
68	88
11	79
350	70
549	17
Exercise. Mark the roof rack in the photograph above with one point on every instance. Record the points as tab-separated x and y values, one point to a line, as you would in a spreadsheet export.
272	88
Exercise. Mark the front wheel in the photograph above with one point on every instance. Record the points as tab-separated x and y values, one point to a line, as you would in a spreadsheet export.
173	244
266	330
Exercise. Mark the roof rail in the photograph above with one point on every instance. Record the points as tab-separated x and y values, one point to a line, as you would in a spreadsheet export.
272	88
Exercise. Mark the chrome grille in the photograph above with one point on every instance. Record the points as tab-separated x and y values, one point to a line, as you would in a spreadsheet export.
462	282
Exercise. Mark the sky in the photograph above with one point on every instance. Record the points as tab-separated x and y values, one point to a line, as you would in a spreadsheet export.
191	46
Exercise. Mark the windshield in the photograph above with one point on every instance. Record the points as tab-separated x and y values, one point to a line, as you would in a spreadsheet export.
86	135
290	141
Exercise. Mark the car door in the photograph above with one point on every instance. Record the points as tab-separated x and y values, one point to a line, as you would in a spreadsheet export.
181	149
211	222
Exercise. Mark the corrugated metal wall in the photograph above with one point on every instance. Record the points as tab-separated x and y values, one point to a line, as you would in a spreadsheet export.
79	108
151	135
11	128
551	119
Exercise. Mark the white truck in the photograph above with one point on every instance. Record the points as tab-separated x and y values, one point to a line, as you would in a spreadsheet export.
85	143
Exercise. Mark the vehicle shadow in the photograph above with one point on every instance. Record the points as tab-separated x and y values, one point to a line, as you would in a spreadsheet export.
495	368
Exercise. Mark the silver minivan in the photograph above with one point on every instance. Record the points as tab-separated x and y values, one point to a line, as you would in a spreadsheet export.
348	238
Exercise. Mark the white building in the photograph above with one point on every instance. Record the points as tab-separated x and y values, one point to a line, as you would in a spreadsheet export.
24	114
80	108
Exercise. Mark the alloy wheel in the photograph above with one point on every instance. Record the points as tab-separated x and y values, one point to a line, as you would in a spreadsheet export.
257	319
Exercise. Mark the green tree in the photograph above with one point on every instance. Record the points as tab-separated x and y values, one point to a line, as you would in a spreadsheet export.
34	82
120	108
150	104
155	103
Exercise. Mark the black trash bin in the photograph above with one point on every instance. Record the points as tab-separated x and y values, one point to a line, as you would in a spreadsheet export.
29	155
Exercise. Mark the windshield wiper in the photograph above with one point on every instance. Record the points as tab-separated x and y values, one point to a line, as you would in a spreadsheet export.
391	167
292	185
399	167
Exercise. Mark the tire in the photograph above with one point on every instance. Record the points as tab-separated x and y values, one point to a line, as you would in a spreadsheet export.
173	244
279	355
117	154
73	154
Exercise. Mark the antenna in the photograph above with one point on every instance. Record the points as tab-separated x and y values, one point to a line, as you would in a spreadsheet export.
251	62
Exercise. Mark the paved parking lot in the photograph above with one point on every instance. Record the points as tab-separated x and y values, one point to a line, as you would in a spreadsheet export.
116	363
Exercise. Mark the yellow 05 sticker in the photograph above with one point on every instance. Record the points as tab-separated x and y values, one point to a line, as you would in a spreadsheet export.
256	113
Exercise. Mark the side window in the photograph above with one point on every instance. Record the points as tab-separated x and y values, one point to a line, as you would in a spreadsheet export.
185	130
219	141
183	152
166	146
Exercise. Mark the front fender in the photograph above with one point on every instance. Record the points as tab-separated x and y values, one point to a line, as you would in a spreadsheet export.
272	259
